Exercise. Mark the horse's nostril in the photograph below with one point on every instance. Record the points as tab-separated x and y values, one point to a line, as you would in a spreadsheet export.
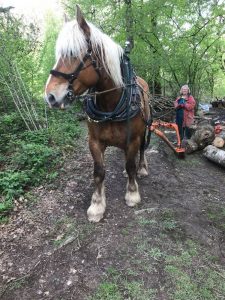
51	99
70	94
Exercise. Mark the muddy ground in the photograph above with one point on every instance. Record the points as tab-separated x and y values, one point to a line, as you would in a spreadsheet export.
171	246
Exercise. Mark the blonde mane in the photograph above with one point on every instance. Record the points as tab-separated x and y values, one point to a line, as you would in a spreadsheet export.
72	42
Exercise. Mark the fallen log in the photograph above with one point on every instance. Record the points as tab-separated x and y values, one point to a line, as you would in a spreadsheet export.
214	154
203	136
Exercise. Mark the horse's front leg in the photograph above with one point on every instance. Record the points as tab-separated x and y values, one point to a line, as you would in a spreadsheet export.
132	195
98	203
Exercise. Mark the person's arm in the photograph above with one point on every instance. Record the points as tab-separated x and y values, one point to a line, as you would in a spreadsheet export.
190	103
176	105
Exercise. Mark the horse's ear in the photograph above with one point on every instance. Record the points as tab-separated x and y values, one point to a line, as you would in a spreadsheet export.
82	22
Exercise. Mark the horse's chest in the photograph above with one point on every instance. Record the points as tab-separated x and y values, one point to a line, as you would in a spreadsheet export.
112	134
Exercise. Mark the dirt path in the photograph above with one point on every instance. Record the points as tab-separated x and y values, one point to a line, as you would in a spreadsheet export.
171	246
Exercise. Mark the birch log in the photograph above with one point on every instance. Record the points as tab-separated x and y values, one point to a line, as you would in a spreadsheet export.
214	154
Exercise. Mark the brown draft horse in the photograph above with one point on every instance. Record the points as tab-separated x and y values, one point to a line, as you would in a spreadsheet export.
87	58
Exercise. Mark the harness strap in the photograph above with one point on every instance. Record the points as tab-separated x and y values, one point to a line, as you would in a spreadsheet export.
72	76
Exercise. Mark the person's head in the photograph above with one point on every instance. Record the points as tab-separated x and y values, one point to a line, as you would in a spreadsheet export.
185	90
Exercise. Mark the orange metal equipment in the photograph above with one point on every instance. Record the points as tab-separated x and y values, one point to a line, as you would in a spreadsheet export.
154	128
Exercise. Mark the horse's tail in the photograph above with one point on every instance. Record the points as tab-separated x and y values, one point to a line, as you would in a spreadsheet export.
147	136
146	111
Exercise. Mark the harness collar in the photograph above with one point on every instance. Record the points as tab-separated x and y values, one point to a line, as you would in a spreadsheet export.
129	104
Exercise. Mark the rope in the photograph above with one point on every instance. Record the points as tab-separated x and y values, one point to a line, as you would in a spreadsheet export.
105	91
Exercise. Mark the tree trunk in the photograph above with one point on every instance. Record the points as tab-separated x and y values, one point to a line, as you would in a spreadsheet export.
129	23
157	87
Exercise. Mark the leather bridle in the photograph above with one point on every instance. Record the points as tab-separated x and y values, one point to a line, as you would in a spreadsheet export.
74	75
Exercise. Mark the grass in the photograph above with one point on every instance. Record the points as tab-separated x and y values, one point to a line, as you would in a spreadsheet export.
117	286
192	276
143	221
170	225
107	291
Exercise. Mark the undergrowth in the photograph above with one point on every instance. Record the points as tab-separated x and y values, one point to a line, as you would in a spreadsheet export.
27	158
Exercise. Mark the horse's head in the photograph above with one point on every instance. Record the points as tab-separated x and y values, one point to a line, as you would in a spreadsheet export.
75	70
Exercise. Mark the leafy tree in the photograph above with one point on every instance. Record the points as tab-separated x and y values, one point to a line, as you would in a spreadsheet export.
45	55
178	41
17	43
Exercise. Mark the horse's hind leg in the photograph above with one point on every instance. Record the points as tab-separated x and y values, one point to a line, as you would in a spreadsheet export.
132	195
143	166
98	203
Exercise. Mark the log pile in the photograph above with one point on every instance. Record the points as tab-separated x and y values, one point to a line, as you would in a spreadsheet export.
163	108
207	137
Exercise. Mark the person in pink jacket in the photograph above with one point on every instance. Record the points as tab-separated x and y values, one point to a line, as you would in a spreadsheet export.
184	106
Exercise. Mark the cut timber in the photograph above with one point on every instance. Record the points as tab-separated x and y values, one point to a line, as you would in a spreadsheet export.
214	154
203	136
218	142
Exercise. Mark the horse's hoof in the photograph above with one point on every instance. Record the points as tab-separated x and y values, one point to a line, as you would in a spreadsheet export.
95	212
133	198
142	173
125	174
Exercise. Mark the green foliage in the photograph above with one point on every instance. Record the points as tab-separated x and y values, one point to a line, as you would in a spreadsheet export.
44	58
38	137
181	43
29	147
18	41
11	123
12	184
29	157
64	134
36	159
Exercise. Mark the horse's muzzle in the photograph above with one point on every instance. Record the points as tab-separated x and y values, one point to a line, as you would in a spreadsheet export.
50	99
65	102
